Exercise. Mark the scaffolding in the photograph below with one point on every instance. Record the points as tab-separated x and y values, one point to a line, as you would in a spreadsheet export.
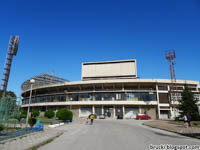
42	80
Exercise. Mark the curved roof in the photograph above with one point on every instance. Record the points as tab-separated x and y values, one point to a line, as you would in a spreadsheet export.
87	82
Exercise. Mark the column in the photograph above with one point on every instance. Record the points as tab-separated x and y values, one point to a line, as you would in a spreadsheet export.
158	101
114	111
170	101
140	110
79	110
123	110
102	111
93	109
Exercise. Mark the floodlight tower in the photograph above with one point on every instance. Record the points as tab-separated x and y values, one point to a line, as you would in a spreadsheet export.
11	51
170	56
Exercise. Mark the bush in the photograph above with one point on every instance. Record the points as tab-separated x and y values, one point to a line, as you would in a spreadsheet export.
178	119
32	121
64	114
2	127
36	113
49	113
23	114
18	117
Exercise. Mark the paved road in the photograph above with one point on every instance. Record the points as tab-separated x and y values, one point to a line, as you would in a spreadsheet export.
115	135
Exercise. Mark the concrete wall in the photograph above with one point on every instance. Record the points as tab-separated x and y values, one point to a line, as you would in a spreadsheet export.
109	69
150	110
75	111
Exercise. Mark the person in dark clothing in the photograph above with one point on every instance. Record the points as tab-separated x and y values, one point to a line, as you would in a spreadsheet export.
91	117
92	121
188	119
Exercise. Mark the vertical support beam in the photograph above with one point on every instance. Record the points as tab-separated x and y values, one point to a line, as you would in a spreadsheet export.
122	86
140	109
79	111
93	109
170	100
93	96
102	110
123	110
158	101
114	111
44	80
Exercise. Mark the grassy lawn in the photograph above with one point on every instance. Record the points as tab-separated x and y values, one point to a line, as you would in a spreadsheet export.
47	120
193	123
42	118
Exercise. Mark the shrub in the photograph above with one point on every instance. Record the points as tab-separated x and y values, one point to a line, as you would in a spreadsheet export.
49	113
2	127
64	114
32	121
195	123
36	113
177	119
18	117
23	114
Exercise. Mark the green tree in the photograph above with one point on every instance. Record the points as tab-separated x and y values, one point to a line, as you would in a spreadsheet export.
2	127
188	104
64	114
49	113
23	114
32	121
9	93
36	113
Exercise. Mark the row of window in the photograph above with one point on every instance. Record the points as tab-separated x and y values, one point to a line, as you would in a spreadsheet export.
95	97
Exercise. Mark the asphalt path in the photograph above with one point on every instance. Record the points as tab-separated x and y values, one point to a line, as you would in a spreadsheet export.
115	135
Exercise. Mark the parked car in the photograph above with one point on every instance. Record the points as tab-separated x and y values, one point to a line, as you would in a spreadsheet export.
102	116
142	117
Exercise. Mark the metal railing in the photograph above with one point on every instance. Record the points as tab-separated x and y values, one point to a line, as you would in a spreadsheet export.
20	132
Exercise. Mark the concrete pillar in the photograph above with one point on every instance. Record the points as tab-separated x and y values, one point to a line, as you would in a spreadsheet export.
158	106
79	111
140	110
102	110
93	109
114	112
170	102
93	97
123	110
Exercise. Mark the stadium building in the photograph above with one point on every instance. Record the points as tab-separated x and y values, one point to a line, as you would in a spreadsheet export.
111	88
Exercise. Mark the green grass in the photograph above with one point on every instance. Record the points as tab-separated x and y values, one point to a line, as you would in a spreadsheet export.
47	120
193	123
43	118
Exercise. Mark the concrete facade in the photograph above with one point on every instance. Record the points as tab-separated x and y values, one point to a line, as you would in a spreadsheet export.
112	96
109	69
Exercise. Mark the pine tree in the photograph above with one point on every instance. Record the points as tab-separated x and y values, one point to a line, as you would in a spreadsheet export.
188	104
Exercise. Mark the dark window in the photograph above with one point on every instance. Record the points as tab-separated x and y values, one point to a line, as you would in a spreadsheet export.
164	87
163	98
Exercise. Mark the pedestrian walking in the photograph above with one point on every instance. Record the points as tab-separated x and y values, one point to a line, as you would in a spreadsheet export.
91	117
86	121
185	121
188	119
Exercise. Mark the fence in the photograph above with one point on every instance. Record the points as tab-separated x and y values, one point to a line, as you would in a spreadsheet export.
20	132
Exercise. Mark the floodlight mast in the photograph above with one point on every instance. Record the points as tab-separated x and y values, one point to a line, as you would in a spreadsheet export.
11	51
170	56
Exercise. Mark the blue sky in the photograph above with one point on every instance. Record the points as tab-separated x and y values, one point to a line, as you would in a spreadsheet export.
59	34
